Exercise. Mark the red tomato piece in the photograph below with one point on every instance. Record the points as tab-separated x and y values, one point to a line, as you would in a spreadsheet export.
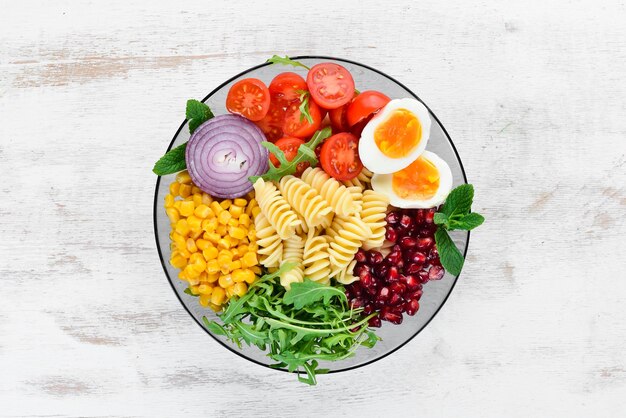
364	105
340	156
272	123
330	85
297	125
249	98
286	86
338	120
289	145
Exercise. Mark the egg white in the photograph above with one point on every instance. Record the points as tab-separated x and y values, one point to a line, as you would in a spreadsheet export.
372	157
382	183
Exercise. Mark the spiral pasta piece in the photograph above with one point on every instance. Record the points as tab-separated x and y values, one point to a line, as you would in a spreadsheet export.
316	258
346	237
270	245
346	275
357	197
373	214
276	209
333	192
293	251
305	200
363	180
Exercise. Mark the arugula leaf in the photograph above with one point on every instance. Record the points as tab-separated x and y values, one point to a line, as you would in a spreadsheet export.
197	113
450	256
459	201
467	222
286	61
308	292
172	162
306	153
304	107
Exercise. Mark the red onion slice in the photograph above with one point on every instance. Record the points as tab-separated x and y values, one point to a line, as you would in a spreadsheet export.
223	152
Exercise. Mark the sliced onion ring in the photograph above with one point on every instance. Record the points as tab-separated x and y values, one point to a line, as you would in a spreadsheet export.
223	152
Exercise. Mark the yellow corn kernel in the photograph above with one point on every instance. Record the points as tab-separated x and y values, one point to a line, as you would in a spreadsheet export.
177	205
253	247
191	245
236	211
206	199
217	296
224	217
172	213
183	177
205	289
209	225
205	300
191	272
209	253
240	202
236	232
233	222
196	234
221	230
214	307
256	270
197	199
169	201
212	236
234	265
255	211
177	238
182	275
230	291
251	234
183	252
202	244
244	241
194	290
223	243
195	258
240	289
175	189
212	267
225	204
182	228
213	277
250	259
242	275
178	261
195	223
202	211
217	209
186	208
225	281
244	220
196	190
184	190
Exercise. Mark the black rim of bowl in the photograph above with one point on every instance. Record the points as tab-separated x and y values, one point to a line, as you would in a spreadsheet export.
156	234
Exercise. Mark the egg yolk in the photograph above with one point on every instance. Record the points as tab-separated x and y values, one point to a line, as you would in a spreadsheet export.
418	181
399	134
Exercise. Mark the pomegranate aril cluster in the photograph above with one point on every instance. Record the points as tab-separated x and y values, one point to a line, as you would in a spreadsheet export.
392	285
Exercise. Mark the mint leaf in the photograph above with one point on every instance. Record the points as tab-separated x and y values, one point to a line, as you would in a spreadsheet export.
171	162
459	201
286	61
450	256
467	222
440	219
197	113
308	292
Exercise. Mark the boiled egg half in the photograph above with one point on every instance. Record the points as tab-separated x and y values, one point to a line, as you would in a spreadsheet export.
395	137
424	183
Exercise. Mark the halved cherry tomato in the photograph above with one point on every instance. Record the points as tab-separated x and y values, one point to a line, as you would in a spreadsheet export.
272	123
340	156
330	85
249	98
300	127
285	86
289	145
365	104
338	120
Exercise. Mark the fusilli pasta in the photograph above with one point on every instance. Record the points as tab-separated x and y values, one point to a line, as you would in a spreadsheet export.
305	200
316	258
346	275
276	209
293	250
333	192
373	214
270	245
346	237
363	180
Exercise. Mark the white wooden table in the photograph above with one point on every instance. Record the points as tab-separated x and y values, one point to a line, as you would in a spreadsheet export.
533	94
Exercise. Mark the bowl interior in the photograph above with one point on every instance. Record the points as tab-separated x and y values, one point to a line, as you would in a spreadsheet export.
435	293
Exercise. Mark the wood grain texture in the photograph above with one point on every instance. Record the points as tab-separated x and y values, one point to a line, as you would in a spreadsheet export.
533	95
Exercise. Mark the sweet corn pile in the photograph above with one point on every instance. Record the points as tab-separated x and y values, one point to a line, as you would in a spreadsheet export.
213	242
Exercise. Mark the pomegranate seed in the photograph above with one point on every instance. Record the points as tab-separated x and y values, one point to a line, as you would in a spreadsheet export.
356	302
374	322
395	299
391	235
424	243
394	257
413	268
366	279
435	273
392	218
411	307
416	294
360	256
397	288
393	275
411	281
418	258
408	242
405	221
383	294
423	276
387	315
381	270
376	257
360	269
419	216
371	290
428	217
433	256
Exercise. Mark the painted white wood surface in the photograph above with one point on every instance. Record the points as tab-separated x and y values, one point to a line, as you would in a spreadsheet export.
533	94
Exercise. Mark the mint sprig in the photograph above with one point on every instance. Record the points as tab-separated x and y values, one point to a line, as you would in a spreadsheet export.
286	61
197	113
454	215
